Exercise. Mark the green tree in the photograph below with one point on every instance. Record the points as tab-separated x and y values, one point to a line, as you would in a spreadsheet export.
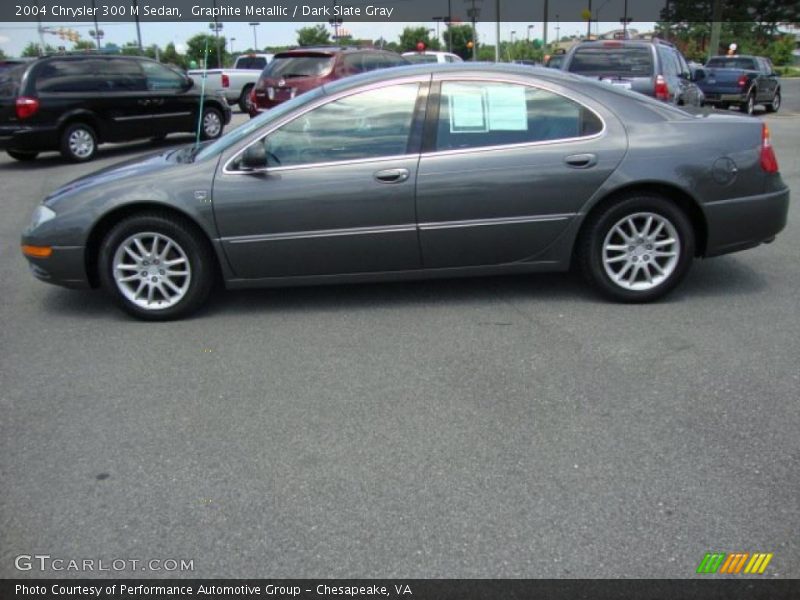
2	54
460	35
196	45
171	56
84	45
780	50
411	36
313	36
32	50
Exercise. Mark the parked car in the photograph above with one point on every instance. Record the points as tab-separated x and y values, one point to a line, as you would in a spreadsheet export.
74	103
554	61
295	72
431	56
8	63
236	83
743	81
506	169
652	67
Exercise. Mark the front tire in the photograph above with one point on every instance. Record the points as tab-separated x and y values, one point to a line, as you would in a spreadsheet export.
212	124
156	267
638	249
22	155
775	104
78	142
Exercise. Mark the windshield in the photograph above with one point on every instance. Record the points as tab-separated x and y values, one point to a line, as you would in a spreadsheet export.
731	63
629	62
241	132
312	65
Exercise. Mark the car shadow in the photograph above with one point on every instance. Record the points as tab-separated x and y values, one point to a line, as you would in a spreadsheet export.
105	151
721	277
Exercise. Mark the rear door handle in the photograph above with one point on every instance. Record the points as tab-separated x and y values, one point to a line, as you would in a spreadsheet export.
391	175
581	161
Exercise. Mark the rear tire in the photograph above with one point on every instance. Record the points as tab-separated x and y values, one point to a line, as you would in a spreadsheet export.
749	105
775	104
212	124
244	99
641	265
157	267
78	142
22	155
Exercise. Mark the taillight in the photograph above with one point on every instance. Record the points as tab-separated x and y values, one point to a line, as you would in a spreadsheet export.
26	107
769	162
226	81
742	81
662	91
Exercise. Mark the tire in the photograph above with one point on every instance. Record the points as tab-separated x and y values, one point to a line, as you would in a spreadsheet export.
749	105
78	142
619	267
775	104
212	124
244	99
22	155
146	294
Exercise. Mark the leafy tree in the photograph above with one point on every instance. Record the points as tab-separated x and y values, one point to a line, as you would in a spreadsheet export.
780	50
171	56
313	36
411	36
460	35
2	54
195	46
84	45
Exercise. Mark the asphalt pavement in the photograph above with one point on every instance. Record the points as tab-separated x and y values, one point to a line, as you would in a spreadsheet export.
499	427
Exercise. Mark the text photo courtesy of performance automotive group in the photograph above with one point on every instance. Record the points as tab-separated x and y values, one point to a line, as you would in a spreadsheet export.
435	299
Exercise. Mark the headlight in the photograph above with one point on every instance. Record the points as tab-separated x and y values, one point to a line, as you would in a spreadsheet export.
42	214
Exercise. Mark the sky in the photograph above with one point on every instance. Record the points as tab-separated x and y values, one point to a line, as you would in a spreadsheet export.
15	36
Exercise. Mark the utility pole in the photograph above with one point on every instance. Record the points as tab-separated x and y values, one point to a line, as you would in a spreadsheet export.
138	29
544	33
589	22
716	26
497	34
473	14
449	25
96	28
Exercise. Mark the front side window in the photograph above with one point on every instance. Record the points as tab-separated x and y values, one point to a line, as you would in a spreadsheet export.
160	77
479	114
367	125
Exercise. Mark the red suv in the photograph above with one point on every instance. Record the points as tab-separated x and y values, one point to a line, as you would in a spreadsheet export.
296	71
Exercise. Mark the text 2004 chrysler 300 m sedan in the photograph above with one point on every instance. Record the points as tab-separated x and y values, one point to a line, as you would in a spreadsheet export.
425	171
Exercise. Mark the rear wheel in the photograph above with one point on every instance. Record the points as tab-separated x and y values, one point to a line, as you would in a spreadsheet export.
211	127
749	105
22	155
244	99
638	249
156	266
78	142
775	104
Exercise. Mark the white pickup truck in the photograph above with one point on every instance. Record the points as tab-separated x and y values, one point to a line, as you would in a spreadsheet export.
235	84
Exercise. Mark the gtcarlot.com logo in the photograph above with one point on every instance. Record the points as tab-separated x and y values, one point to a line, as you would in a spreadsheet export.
45	562
734	563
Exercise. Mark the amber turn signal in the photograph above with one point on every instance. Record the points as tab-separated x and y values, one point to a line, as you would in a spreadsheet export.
37	251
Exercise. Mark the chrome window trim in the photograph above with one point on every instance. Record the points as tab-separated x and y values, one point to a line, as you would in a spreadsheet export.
325	99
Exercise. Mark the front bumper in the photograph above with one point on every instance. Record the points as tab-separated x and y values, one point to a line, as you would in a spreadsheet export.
741	223
65	267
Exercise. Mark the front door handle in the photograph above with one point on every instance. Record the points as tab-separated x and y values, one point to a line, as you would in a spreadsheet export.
581	161
392	175
144	102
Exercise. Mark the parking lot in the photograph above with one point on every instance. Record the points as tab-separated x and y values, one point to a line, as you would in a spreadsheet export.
498	427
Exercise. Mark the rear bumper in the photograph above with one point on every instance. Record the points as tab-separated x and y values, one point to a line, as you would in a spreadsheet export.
742	223
14	137
718	98
65	267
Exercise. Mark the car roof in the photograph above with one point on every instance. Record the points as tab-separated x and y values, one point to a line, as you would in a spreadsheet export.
327	50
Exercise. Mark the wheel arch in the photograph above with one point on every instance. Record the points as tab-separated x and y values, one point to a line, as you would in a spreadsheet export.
683	199
105	223
82	116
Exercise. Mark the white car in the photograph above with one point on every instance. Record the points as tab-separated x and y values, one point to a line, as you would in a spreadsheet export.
429	56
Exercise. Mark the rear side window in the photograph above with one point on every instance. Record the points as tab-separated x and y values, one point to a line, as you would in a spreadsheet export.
121	75
473	115
10	80
625	61
669	62
59	76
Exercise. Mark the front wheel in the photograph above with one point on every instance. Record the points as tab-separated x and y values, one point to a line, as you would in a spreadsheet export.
157	267
775	104
212	126
638	249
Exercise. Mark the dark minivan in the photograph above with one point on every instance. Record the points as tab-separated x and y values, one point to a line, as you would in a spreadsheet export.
652	67
296	71
73	103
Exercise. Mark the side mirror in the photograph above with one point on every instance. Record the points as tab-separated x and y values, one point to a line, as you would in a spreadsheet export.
254	158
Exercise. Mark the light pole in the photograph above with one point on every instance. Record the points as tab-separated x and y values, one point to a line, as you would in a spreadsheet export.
438	22
473	13
544	31
216	27
96	28
233	39
530	28
625	20
558	30
255	38
597	17
97	34
138	29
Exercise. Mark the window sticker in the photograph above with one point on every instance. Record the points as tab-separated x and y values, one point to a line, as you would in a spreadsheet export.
508	110
467	110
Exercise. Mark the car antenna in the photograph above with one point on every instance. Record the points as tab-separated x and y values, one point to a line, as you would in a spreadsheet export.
202	95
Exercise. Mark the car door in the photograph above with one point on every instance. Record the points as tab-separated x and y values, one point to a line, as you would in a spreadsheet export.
509	167
767	81
338	196
690	93
126	101
171	107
